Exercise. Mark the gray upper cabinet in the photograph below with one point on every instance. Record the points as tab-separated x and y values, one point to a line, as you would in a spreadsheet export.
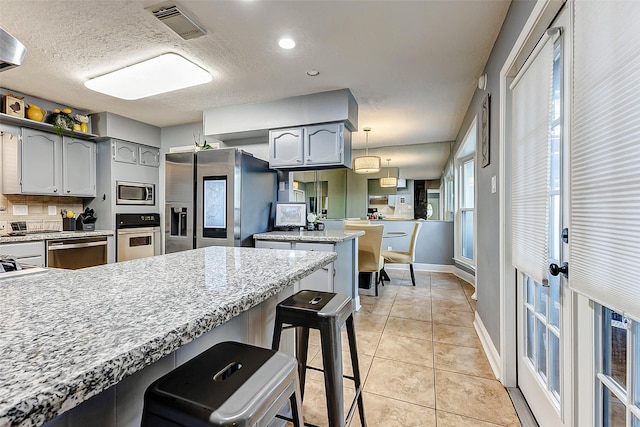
135	154
41	163
149	156
79	172
323	144
326	145
124	151
286	148
44	163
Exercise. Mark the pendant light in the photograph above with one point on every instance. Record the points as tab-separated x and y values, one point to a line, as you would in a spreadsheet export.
366	163
389	181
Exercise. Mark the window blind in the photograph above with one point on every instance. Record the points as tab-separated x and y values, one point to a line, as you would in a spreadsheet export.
531	94
604	234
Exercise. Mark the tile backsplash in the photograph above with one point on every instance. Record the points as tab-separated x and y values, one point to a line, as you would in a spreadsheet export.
12	207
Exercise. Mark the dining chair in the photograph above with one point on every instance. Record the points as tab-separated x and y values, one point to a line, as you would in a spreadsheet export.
402	257
356	221
369	249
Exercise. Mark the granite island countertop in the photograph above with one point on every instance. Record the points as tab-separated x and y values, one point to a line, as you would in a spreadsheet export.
68	335
326	236
34	237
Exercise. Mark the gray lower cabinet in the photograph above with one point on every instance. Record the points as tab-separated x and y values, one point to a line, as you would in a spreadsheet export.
310	146
340	276
31	253
44	163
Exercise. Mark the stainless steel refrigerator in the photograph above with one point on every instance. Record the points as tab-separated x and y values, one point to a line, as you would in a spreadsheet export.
216	198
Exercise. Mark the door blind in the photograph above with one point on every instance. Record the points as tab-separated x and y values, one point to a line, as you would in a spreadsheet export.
605	154
531	94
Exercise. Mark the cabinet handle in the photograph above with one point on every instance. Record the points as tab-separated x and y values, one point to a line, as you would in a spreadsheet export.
68	191
55	190
299	161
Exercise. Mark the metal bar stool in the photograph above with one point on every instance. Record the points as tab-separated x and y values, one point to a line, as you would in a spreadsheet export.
231	384
328	312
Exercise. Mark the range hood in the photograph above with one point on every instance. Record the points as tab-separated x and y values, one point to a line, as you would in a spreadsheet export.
11	51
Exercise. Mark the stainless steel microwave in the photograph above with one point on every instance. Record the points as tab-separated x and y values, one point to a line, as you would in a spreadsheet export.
135	193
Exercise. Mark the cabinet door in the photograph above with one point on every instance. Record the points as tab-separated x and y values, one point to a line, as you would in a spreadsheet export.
79	167
124	152
41	162
285	147
149	156
320	280
270	244
323	144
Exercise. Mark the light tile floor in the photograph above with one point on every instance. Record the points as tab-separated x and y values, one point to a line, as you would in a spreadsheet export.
420	357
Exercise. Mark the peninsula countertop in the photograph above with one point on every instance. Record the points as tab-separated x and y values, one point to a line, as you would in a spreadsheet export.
34	237
329	236
68	335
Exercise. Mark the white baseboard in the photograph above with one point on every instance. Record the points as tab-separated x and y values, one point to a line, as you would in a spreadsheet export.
436	268
466	276
489	349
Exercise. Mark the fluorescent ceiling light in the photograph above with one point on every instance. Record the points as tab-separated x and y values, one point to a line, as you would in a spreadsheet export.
287	43
164	73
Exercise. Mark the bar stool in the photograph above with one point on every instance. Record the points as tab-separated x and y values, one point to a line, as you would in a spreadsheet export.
231	384
327	312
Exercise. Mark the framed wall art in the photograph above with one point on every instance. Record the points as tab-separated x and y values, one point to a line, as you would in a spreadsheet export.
484	131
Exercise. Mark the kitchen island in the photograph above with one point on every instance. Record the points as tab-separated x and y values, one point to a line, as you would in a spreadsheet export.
340	276
100	335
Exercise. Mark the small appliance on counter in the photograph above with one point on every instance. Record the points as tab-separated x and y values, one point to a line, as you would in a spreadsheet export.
86	221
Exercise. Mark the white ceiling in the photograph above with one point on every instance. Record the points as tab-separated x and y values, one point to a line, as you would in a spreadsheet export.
411	65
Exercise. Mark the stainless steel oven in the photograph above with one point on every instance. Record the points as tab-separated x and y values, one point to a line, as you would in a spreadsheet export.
135	193
138	236
76	253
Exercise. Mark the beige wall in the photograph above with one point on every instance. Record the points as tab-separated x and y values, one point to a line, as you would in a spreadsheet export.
38	207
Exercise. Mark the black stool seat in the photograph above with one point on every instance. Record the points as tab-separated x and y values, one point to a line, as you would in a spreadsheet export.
231	384
328	312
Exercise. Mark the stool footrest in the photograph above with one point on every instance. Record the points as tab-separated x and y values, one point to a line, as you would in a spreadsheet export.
313	368
353	405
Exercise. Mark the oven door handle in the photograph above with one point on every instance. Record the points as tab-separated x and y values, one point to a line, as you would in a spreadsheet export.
57	247
138	230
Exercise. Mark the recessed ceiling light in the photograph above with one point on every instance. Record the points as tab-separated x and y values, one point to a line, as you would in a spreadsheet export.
287	43
313	73
164	73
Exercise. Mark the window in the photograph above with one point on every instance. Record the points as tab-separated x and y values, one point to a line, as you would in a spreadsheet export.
618	370
448	192
465	216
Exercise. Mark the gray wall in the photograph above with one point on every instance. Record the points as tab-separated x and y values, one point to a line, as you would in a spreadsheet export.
487	204
435	240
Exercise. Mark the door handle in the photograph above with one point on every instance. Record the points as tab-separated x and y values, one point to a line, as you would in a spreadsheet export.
555	269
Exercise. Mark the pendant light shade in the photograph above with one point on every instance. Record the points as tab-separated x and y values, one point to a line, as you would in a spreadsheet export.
388	181
366	163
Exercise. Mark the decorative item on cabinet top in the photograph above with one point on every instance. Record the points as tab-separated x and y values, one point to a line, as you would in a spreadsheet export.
30	112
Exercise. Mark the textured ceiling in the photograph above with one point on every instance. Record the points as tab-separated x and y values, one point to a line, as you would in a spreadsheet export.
411	65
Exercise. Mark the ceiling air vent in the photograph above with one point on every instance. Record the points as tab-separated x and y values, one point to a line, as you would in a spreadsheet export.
175	18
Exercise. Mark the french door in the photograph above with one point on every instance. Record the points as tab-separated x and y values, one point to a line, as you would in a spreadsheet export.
544	309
